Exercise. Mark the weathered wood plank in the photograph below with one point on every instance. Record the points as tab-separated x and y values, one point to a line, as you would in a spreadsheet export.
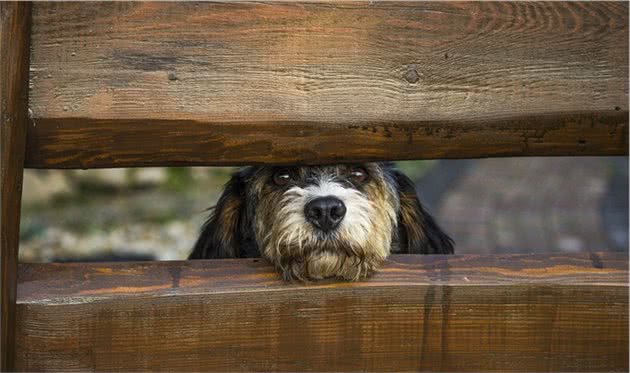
15	20
440	313
122	84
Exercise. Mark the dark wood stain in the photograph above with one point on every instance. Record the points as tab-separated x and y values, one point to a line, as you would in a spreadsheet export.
428	301
597	262
97	143
429	313
15	20
175	273
281	82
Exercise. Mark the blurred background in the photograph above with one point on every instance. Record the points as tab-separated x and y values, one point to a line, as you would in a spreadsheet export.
505	205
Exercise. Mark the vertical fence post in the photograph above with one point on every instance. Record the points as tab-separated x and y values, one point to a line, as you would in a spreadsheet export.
15	22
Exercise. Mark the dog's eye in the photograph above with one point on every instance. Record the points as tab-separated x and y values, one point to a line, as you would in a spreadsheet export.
282	177
358	175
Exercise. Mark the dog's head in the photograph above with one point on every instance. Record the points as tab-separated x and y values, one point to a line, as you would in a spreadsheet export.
320	221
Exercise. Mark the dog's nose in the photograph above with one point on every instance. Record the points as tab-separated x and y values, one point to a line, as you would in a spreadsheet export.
325	212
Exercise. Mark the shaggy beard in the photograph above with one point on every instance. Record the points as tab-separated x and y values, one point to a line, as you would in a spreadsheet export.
351	252
326	264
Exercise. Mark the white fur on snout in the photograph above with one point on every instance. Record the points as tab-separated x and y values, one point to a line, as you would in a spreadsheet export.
356	247
355	225
353	229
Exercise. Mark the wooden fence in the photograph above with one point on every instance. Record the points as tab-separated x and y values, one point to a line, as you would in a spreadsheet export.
434	313
166	84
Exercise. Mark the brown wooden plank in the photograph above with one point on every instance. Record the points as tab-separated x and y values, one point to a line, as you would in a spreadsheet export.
15	20
122	84
439	313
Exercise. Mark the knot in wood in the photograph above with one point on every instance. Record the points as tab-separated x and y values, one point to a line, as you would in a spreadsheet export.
412	75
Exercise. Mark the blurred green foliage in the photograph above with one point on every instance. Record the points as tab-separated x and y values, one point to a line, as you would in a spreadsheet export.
178	178
415	169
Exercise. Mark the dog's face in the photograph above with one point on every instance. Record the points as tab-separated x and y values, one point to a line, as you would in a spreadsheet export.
320	221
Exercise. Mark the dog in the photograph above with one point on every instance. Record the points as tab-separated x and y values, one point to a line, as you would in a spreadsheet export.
317	222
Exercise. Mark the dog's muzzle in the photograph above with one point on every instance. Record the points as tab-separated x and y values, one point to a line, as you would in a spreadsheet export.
325	213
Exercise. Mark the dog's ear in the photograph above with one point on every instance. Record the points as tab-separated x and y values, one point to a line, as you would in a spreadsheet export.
418	232
220	235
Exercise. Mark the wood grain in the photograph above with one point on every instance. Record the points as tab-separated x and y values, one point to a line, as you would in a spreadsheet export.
429	313
147	84
15	19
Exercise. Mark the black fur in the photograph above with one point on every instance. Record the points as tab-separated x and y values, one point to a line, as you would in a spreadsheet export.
434	240
241	243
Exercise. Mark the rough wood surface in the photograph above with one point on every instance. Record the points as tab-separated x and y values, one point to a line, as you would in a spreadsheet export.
439	313
135	84
15	21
